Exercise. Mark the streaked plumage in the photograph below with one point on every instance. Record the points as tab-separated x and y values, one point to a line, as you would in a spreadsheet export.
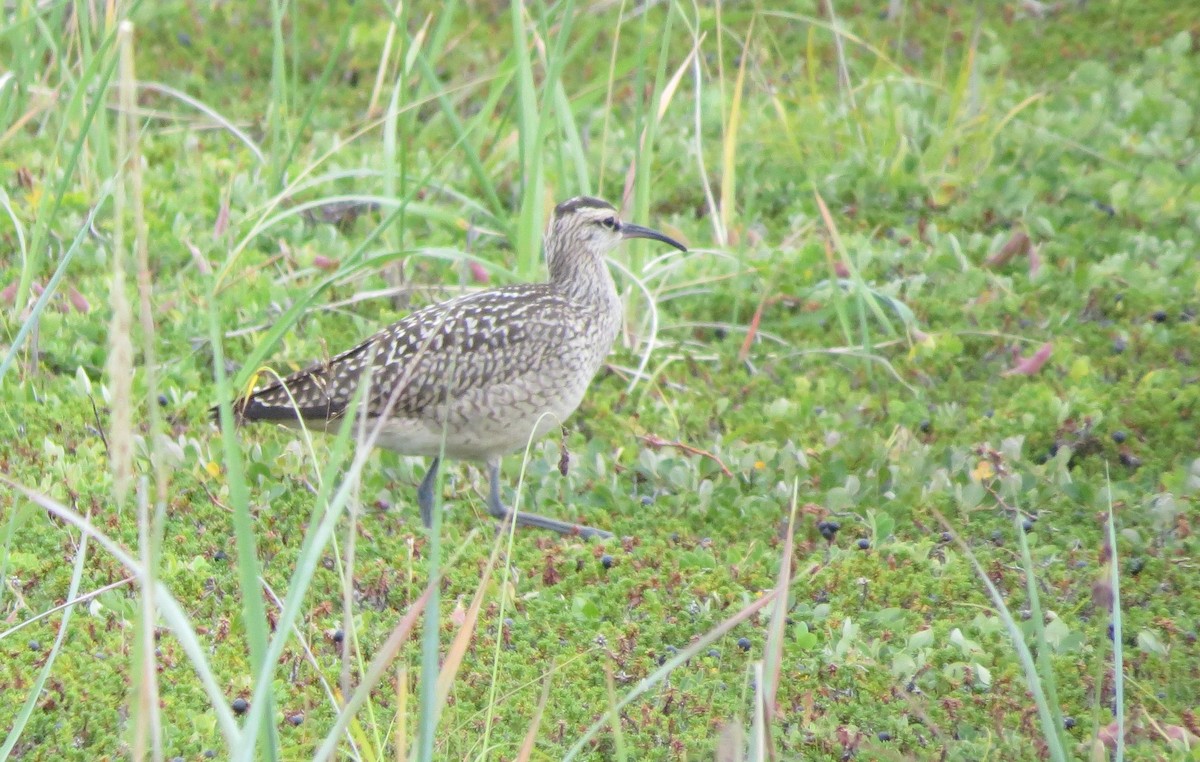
487	371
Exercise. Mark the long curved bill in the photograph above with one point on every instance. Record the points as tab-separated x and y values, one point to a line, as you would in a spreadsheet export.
629	230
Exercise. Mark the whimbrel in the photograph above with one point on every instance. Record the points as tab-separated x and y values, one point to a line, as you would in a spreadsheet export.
478	376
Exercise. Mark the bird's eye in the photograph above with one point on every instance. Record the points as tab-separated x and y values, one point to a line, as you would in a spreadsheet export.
609	222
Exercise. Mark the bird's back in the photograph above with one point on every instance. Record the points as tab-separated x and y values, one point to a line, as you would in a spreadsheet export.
486	371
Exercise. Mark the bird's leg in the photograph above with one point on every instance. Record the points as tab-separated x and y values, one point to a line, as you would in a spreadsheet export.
500	511
425	493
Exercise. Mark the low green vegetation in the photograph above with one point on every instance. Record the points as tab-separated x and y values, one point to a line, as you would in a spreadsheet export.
901	456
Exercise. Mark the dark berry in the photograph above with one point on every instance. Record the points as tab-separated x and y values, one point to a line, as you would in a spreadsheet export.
1118	437
1119	345
35	645
947	537
864	543
295	718
338	636
1027	525
998	537
210	754
606	561
220	556
883	735
162	400
925	426
647	500
1136	566
744	644
1130	460
1160	316
239	705
1068	722
714	653
828	529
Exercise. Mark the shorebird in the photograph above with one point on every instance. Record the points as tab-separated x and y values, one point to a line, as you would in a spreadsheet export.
480	375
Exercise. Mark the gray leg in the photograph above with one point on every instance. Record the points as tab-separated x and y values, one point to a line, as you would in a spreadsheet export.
498	509
425	493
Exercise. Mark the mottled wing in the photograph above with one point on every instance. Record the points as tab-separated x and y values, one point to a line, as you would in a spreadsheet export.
434	354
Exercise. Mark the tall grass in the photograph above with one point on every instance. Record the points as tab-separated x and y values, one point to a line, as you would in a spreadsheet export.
637	193
147	726
27	94
169	608
278	110
535	122
1118	636
72	138
544	116
538	121
35	689
1038	670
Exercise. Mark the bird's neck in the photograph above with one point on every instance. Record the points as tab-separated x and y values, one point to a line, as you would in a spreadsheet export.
583	277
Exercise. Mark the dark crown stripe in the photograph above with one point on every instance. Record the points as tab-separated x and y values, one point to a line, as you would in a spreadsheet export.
581	202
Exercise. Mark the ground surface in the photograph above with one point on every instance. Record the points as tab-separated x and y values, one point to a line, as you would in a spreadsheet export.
992	374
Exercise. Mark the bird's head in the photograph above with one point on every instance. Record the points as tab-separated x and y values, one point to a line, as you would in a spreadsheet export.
585	223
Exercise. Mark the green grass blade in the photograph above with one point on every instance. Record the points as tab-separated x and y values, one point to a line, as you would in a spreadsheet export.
168	606
254	613
327	504
52	286
1033	678
1114	580
102	77
678	660
1044	663
35	689
318	89
529	120
277	105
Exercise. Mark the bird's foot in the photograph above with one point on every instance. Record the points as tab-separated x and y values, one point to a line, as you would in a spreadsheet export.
537	521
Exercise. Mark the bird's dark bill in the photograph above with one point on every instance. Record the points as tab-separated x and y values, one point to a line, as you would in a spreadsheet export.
637	231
